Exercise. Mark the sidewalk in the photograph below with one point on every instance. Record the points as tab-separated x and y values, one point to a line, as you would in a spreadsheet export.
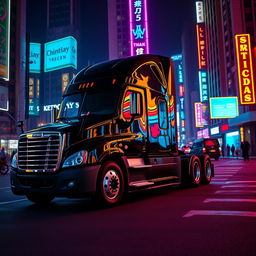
234	157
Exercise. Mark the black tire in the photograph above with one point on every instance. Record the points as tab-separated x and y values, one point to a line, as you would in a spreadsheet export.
111	184
40	199
206	170
216	158
4	169
195	171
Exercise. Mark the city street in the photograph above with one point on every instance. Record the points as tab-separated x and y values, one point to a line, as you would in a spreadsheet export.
217	219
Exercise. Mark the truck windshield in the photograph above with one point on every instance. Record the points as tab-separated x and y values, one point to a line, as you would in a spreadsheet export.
90	103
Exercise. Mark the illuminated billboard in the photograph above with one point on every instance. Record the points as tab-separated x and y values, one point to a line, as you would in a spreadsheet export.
5	8
34	107
203	86
198	114
201	114
199	12
138	27
223	107
201	46
35	58
244	69
4	102
60	54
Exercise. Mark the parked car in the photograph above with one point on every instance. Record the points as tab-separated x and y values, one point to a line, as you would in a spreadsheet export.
207	146
186	149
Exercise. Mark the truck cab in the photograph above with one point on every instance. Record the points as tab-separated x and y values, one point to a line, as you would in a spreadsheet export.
115	132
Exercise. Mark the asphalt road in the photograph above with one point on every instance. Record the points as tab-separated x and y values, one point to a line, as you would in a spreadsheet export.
217	219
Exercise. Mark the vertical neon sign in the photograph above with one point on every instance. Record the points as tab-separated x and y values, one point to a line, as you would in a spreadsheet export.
138	27
5	38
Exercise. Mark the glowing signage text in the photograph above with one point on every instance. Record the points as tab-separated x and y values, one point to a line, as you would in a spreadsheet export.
199	12
203	86
245	70
60	54
201	46
138	27
223	107
35	58
5	11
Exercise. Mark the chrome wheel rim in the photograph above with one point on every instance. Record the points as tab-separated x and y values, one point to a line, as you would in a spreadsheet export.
208	171
197	173
111	184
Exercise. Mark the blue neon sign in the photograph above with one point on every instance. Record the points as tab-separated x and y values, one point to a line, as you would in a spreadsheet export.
223	107
60	54
34	58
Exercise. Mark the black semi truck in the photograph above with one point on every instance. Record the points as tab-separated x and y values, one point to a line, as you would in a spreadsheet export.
115	132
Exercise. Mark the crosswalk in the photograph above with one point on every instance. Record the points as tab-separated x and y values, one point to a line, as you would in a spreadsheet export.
235	194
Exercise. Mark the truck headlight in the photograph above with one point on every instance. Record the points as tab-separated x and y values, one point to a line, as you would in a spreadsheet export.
75	159
14	161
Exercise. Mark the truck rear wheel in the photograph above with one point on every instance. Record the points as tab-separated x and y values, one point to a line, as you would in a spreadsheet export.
111	187
195	171
39	198
207	170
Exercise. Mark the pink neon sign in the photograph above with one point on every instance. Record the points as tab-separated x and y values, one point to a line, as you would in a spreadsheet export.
138	27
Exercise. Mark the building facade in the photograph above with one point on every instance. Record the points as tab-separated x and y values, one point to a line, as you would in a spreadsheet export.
58	59
224	20
12	79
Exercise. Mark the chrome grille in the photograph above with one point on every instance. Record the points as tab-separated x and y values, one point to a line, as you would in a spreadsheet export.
39	151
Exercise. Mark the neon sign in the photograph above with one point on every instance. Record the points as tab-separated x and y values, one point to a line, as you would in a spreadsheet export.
198	114
5	39
35	58
223	107
203	86
199	12
138	27
245	71
60	54
201	46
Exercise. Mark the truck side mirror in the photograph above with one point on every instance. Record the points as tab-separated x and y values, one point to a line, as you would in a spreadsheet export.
135	104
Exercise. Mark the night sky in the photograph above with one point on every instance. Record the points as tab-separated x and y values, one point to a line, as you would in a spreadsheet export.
167	19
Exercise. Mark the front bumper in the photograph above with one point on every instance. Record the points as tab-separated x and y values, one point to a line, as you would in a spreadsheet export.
69	182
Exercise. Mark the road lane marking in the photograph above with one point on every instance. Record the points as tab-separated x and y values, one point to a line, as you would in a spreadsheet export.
14	201
241	181
223	175
240	200
222	213
239	186
235	191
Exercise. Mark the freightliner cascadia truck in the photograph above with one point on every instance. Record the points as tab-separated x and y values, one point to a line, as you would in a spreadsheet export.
115	132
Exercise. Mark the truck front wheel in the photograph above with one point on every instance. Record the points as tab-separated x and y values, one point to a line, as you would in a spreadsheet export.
195	171
111	187
40	199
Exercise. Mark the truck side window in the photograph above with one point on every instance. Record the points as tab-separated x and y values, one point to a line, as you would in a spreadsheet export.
127	104
162	106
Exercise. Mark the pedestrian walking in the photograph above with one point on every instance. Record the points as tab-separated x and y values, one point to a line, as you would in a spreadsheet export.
2	155
223	150
245	147
228	150
233	150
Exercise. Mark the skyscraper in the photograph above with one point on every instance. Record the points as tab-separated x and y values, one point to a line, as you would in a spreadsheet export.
12	74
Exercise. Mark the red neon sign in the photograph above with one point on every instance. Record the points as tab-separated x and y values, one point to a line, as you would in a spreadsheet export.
201	46
224	127
244	69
